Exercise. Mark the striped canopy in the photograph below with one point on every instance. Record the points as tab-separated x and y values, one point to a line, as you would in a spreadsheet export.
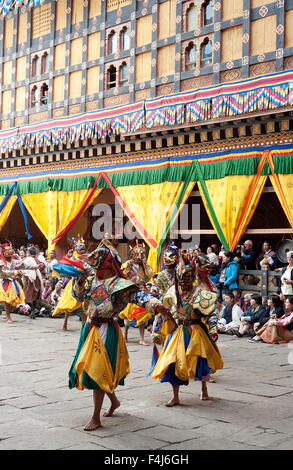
7	5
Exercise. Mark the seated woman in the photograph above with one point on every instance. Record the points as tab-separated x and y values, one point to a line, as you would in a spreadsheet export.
279	330
230	320
274	310
252	316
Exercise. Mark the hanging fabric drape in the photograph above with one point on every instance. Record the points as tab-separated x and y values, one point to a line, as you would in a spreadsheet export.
283	186
5	213
231	201
251	200
150	209
43	209
79	203
25	216
70	203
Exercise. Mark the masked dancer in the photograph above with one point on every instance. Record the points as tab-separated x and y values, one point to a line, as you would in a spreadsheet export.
67	304
139	272
189	351
164	280
101	362
11	293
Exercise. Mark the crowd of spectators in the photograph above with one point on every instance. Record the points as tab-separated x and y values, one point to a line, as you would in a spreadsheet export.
260	318
268	319
41	287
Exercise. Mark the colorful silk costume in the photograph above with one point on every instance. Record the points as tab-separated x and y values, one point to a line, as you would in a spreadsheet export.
188	351
139	274
67	303
101	360
11	291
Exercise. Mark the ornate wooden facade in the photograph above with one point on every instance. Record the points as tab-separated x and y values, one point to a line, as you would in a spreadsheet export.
69	56
74	56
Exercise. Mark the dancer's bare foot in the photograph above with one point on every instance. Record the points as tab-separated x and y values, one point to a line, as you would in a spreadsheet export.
64	328
9	321
92	425
204	396
112	408
172	402
211	380
143	343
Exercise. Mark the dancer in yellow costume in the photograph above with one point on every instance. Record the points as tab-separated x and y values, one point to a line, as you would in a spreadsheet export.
164	280
101	361
189	351
11	293
68	304
138	271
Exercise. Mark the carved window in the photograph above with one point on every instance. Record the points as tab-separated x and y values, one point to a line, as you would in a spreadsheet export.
206	53
190	56
44	94
111	77
191	17
45	63
35	67
124	39
123	74
34	96
112	43
207	13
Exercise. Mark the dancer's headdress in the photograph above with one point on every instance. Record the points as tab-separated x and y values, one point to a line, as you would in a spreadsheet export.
138	252
77	243
186	269
104	256
171	255
7	249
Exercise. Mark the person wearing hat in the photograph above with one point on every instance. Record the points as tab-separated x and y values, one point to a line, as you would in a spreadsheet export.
67	304
163	281
11	292
101	362
189	351
33	284
138	271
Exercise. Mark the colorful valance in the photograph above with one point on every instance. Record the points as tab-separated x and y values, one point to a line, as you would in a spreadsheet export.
102	123
228	99
7	5
183	168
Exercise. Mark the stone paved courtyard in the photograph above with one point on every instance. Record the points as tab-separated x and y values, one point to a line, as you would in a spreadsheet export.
251	405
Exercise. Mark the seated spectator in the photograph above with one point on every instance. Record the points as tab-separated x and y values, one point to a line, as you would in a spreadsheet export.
46	295
230	320
245	302
251	316
267	256
246	255
264	301
56	294
274	310
228	279
287	276
219	308
279	330
237	296
212	256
